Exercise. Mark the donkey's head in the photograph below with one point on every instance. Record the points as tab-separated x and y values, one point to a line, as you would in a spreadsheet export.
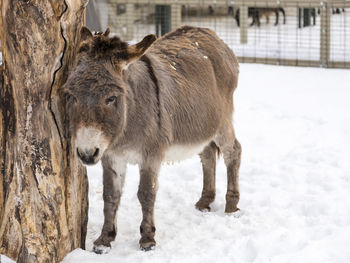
96	92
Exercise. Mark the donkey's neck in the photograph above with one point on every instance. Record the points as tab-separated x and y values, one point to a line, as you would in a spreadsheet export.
142	103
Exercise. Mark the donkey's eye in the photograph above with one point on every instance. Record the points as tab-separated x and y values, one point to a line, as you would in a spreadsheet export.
110	100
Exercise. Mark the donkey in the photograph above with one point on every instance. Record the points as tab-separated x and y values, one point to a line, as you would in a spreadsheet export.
158	100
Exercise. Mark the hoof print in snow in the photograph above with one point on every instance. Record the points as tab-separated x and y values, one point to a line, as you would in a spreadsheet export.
101	249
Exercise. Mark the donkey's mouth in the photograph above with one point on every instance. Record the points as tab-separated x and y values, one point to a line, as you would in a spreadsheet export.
88	157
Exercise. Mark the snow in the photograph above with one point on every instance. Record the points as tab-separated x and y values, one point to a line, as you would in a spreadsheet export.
4	259
294	127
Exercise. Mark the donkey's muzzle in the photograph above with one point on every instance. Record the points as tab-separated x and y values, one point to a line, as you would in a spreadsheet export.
88	157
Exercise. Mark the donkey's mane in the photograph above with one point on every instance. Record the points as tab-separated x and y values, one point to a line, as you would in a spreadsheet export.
100	45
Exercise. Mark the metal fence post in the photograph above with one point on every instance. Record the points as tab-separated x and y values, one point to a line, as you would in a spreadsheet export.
325	34
243	20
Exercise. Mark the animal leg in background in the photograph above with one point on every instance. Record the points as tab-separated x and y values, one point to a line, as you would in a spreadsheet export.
230	11
208	159
237	17
253	22
277	17
211	10
283	13
255	14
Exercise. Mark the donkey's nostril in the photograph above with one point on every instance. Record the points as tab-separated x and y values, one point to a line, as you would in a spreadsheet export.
96	152
88	156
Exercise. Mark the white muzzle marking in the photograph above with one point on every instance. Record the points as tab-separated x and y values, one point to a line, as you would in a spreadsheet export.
88	139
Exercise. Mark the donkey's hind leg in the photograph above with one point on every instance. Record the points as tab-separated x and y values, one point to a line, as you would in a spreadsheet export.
231	149
208	159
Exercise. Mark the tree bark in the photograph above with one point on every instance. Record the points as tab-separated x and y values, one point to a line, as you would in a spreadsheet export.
43	187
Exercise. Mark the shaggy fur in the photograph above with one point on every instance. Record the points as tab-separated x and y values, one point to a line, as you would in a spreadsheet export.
159	100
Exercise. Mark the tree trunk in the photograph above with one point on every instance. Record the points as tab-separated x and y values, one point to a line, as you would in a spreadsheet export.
43	187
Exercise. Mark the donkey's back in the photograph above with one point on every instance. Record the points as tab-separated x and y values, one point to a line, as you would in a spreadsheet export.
196	74
195	51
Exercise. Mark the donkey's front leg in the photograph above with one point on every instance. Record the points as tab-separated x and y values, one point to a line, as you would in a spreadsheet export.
147	195
113	181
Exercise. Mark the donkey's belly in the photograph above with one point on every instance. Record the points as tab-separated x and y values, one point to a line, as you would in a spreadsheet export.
179	152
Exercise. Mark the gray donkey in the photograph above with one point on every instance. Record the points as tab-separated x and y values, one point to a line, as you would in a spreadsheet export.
148	103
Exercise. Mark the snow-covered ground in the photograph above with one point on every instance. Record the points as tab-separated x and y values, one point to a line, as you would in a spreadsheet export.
294	127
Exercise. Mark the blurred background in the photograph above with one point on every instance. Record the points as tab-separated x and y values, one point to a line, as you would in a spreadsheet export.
282	32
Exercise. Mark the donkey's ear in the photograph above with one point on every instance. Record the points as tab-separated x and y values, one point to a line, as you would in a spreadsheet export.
106	33
137	50
140	48
85	34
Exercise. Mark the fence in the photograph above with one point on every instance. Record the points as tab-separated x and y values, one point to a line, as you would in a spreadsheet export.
308	32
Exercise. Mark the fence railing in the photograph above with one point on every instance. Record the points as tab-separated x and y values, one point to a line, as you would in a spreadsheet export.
315	33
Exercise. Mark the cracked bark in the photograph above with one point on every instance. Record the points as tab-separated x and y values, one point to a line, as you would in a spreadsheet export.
43	187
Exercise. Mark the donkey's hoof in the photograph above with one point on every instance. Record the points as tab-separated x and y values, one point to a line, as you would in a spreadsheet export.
203	208
203	204
101	249
102	245
147	243
231	209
